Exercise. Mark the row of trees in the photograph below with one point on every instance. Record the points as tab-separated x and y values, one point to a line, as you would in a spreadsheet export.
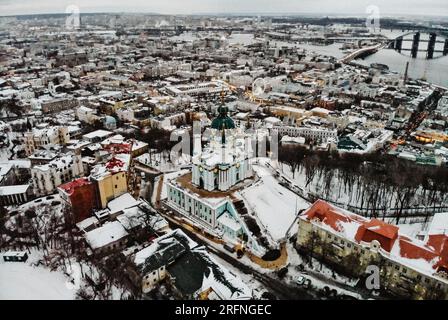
375	182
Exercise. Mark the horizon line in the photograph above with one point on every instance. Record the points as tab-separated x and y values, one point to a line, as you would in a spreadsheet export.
316	14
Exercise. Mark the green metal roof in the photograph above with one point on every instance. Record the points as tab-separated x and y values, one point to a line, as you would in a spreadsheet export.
223	121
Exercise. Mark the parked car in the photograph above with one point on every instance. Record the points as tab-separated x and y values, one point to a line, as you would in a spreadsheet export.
229	248
300	280
307	283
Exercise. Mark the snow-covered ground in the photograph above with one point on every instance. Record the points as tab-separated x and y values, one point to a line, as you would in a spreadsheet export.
411	229
275	206
19	280
248	279
344	193
161	161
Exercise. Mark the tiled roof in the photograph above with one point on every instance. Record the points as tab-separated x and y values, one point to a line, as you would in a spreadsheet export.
431	255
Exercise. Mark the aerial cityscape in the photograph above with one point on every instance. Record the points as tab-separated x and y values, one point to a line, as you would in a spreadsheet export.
194	152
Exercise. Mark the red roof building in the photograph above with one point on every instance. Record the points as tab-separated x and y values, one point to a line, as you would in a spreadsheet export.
430	256
378	230
116	148
80	195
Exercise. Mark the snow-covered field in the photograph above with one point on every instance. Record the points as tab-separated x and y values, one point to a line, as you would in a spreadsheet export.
22	281
275	206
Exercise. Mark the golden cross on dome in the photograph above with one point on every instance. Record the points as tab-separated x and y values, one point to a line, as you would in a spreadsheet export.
222	95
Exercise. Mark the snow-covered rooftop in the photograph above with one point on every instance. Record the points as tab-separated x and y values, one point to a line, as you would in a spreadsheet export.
108	233
122	202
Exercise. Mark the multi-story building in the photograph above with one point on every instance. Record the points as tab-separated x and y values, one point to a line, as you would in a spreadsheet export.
87	115
79	195
117	143
315	133
364	141
167	122
44	137
71	59
203	197
225	161
408	267
172	257
209	89
111	179
58	104
47	177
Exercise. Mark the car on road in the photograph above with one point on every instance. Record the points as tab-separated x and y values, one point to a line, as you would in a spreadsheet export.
300	280
229	248
307	283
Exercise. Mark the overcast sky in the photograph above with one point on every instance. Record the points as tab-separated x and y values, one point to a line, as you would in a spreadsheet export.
387	7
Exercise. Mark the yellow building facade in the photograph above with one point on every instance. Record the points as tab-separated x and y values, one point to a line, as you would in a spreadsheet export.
111	186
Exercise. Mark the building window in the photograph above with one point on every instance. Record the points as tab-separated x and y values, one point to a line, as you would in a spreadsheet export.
116	186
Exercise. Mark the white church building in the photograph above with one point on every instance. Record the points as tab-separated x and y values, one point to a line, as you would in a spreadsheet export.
216	169
225	160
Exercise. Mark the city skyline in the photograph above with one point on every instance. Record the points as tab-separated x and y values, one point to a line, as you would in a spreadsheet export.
327	7
223	150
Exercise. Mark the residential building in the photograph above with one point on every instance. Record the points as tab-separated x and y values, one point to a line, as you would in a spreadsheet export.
79	196
110	237
409	268
191	271
111	180
47	177
44	137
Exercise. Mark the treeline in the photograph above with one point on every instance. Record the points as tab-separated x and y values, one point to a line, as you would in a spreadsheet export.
371	181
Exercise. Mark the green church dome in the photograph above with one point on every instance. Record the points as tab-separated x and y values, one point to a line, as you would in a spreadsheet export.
223	121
